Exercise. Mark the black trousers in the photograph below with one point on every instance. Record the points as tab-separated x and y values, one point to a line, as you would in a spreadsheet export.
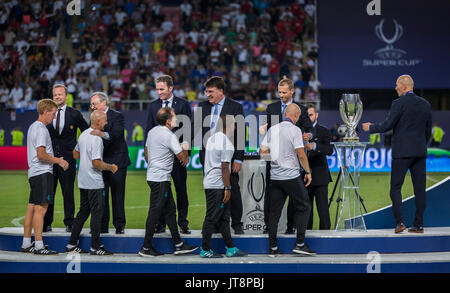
298	199
161	202
320	193
236	201
92	202
417	167
66	181
179	176
115	183
217	216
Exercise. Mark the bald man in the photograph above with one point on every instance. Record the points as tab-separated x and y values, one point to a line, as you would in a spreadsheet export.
410	120
283	147
90	182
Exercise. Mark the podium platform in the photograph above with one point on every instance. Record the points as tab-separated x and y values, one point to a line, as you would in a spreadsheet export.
338	251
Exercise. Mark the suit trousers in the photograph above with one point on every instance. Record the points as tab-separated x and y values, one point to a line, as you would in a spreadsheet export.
236	201
298	199
417	167
161	202
115	183
66	181
92	202
217	216
320	193
179	177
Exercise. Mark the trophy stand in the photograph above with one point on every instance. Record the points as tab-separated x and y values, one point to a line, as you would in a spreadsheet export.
350	158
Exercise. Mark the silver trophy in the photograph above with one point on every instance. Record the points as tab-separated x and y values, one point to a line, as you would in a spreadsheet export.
351	109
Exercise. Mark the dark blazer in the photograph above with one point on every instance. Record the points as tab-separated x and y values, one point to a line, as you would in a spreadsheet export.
180	107
304	123
230	107
318	158
410	119
64	143
115	148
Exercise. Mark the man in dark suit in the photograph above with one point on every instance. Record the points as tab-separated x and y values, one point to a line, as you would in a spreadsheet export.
275	115
115	152
182	109
410	119
209	113
319	147
63	132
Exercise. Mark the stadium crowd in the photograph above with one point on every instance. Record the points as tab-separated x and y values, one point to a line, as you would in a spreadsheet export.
121	46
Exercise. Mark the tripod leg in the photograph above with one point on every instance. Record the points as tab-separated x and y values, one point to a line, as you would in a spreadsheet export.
335	185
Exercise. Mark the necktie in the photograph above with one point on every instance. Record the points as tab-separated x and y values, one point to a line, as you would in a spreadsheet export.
166	104
57	121
213	118
283	108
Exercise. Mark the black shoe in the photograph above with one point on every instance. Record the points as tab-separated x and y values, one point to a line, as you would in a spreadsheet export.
120	231
100	251
238	230
29	249
75	249
304	250
44	251
184	249
276	252
185	231
149	252
69	229
289	231
415	229
160	229
47	228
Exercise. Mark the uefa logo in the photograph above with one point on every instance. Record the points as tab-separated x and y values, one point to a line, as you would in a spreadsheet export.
389	52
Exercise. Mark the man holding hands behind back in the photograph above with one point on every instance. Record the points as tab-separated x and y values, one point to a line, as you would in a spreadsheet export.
410	119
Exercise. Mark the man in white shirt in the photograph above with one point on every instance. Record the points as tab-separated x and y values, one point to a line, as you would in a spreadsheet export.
161	146
90	181
217	184
40	163
283	146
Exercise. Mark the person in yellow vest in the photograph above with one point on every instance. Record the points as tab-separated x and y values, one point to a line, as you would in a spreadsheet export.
374	138
125	134
17	136
138	134
2	136
437	134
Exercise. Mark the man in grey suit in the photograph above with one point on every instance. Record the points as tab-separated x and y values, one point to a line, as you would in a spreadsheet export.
410	120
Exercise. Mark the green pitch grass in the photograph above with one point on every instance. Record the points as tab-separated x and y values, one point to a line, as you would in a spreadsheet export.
14	194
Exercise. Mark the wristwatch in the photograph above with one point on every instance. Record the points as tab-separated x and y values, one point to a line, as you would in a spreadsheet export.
306	173
228	187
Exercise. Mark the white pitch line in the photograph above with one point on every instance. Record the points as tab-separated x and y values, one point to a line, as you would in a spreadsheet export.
16	221
432	179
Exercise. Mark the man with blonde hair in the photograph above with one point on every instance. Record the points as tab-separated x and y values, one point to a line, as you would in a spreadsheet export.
410	120
63	132
40	162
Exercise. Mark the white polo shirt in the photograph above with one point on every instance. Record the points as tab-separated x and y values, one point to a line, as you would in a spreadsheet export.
162	144
90	148
218	149
283	139
38	136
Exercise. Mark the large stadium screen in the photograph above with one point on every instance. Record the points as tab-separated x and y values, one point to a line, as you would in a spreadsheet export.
358	50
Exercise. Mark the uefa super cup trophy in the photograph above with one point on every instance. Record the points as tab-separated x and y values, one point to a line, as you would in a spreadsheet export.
351	109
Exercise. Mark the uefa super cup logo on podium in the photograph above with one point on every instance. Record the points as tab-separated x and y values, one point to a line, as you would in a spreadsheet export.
351	109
